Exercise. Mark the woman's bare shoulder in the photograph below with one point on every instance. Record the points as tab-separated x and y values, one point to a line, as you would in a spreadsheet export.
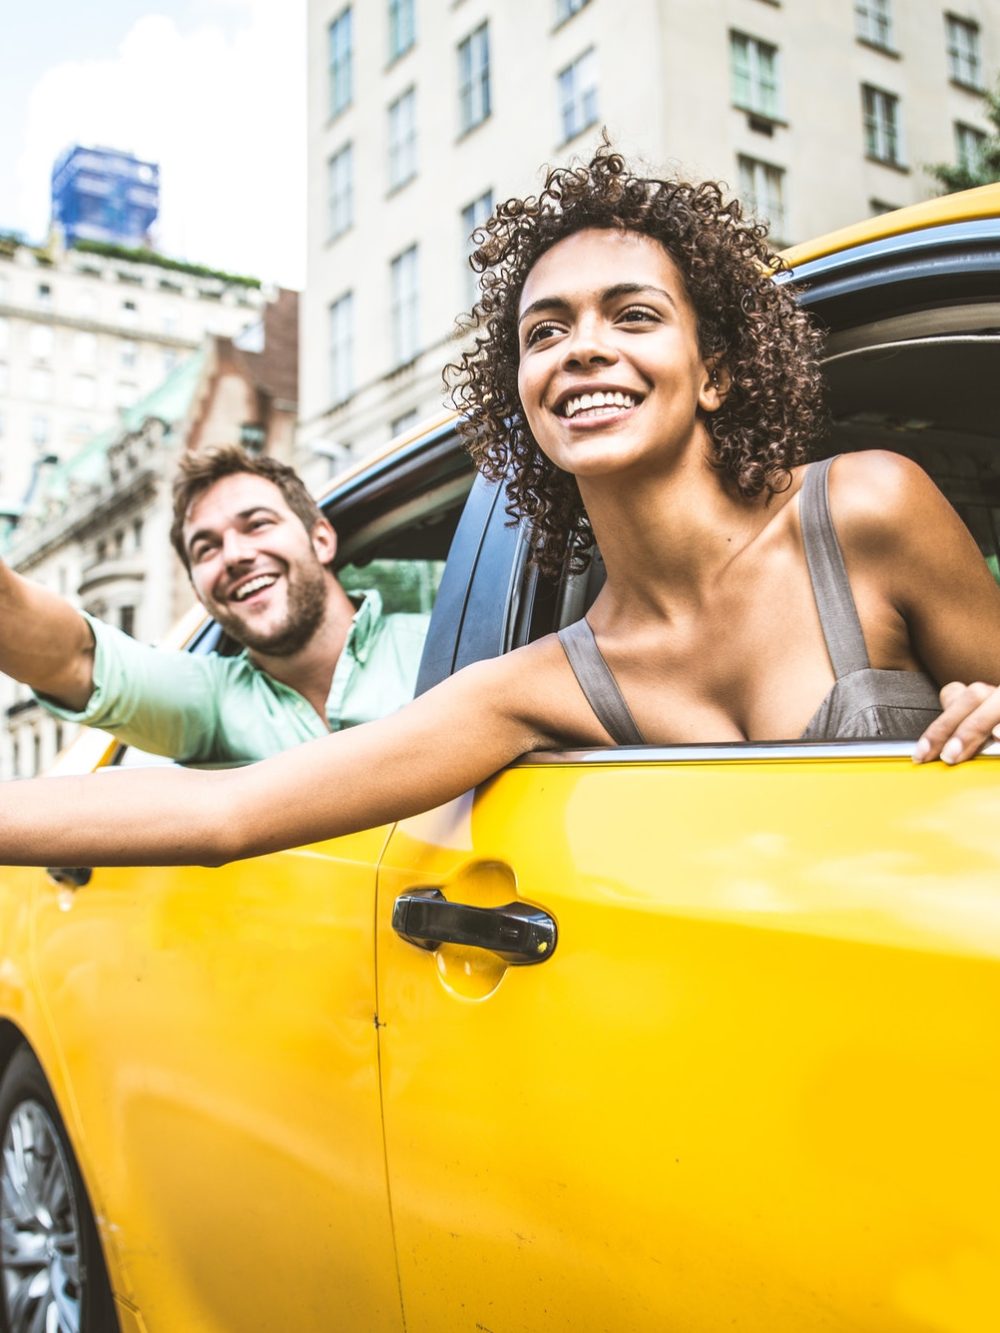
878	498
536	684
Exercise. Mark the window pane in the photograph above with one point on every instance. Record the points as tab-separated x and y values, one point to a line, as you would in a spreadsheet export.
881	125
402	26
874	21
403	139
341	62
762	189
342	348
405	307
754	75
473	216
578	102
964	62
340	185
474	78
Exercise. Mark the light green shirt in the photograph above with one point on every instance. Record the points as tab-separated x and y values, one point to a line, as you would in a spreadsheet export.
207	709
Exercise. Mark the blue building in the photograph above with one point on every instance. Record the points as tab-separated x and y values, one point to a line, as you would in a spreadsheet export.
100	194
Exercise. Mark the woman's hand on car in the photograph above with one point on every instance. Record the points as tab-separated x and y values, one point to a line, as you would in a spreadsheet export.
970	720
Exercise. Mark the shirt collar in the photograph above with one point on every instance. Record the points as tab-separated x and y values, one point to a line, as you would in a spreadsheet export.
363	626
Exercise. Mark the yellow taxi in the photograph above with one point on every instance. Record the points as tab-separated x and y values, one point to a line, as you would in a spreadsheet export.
688	1038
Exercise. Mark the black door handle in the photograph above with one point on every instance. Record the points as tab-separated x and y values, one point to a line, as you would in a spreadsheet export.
69	877
518	933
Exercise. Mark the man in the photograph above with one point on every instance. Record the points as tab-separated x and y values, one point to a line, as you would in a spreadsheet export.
258	552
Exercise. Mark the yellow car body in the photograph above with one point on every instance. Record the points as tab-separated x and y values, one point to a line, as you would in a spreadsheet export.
754	1084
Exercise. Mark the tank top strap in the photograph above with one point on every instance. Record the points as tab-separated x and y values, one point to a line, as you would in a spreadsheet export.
838	614
598	684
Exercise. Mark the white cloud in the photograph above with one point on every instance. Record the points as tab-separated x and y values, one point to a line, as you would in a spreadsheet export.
221	110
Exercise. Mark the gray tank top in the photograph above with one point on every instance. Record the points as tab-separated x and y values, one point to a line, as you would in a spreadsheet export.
862	703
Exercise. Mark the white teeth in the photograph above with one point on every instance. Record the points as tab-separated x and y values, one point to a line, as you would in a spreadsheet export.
590	402
255	585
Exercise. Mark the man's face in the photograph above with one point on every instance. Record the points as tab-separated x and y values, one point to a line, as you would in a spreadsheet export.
254	566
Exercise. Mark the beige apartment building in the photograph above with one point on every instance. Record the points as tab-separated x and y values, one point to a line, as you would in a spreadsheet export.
84	336
422	113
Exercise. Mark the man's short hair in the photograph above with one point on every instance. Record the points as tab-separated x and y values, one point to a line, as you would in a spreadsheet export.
198	471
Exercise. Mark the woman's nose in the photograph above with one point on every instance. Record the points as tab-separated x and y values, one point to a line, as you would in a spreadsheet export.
588	344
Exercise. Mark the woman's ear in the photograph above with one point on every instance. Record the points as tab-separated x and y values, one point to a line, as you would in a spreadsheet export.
715	387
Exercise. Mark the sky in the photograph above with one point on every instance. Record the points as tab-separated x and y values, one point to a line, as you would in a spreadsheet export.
212	90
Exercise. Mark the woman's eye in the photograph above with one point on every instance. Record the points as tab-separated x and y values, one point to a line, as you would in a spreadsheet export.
637	314
539	332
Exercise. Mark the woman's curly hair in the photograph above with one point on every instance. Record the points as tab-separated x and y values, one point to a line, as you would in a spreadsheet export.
748	326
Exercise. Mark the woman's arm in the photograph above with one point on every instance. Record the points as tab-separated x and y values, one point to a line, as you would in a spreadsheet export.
896	523
440	745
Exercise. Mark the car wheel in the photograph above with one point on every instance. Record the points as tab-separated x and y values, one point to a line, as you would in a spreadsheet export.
52	1274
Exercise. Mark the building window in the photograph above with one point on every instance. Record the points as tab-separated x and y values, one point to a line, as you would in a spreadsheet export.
43	295
474	78
130	313
755	83
473	216
129	355
4	334
39	431
403	139
874	22
762	189
565	9
402	27
340	185
578	95
342	348
403	422
341	62
84	391
85	349
881	118
40	342
40	384
969	145
964	60
405	312
126	620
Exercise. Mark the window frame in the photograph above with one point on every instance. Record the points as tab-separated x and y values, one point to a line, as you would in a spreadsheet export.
576	98
959	59
473	215
402	19
340	191
340	62
475	91
751	170
340	334
880	129
404	306
874	23
762	72
401	138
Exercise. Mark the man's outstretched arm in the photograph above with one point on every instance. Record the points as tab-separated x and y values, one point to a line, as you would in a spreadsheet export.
44	641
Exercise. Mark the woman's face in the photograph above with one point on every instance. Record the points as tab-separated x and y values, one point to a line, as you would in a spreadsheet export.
610	374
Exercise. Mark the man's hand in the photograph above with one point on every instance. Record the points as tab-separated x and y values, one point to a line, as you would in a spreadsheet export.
44	641
971	719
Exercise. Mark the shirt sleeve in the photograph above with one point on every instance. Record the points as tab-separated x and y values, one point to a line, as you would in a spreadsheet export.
160	700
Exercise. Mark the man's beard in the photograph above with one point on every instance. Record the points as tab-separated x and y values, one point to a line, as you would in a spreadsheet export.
307	599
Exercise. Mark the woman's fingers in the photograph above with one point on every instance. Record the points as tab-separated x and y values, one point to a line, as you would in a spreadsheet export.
970	719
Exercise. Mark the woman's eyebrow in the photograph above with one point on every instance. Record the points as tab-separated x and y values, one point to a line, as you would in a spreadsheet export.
620	289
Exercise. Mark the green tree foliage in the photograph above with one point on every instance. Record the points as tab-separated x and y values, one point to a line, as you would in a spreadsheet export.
986	167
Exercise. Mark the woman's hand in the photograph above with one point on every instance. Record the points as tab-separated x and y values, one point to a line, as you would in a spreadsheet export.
970	720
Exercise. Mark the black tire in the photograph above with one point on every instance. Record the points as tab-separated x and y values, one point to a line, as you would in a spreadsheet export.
50	1254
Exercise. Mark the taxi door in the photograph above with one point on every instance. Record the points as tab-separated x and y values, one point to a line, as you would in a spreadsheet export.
228	1111
694	1039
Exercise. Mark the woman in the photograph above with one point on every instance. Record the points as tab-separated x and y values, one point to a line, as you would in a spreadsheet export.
651	388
